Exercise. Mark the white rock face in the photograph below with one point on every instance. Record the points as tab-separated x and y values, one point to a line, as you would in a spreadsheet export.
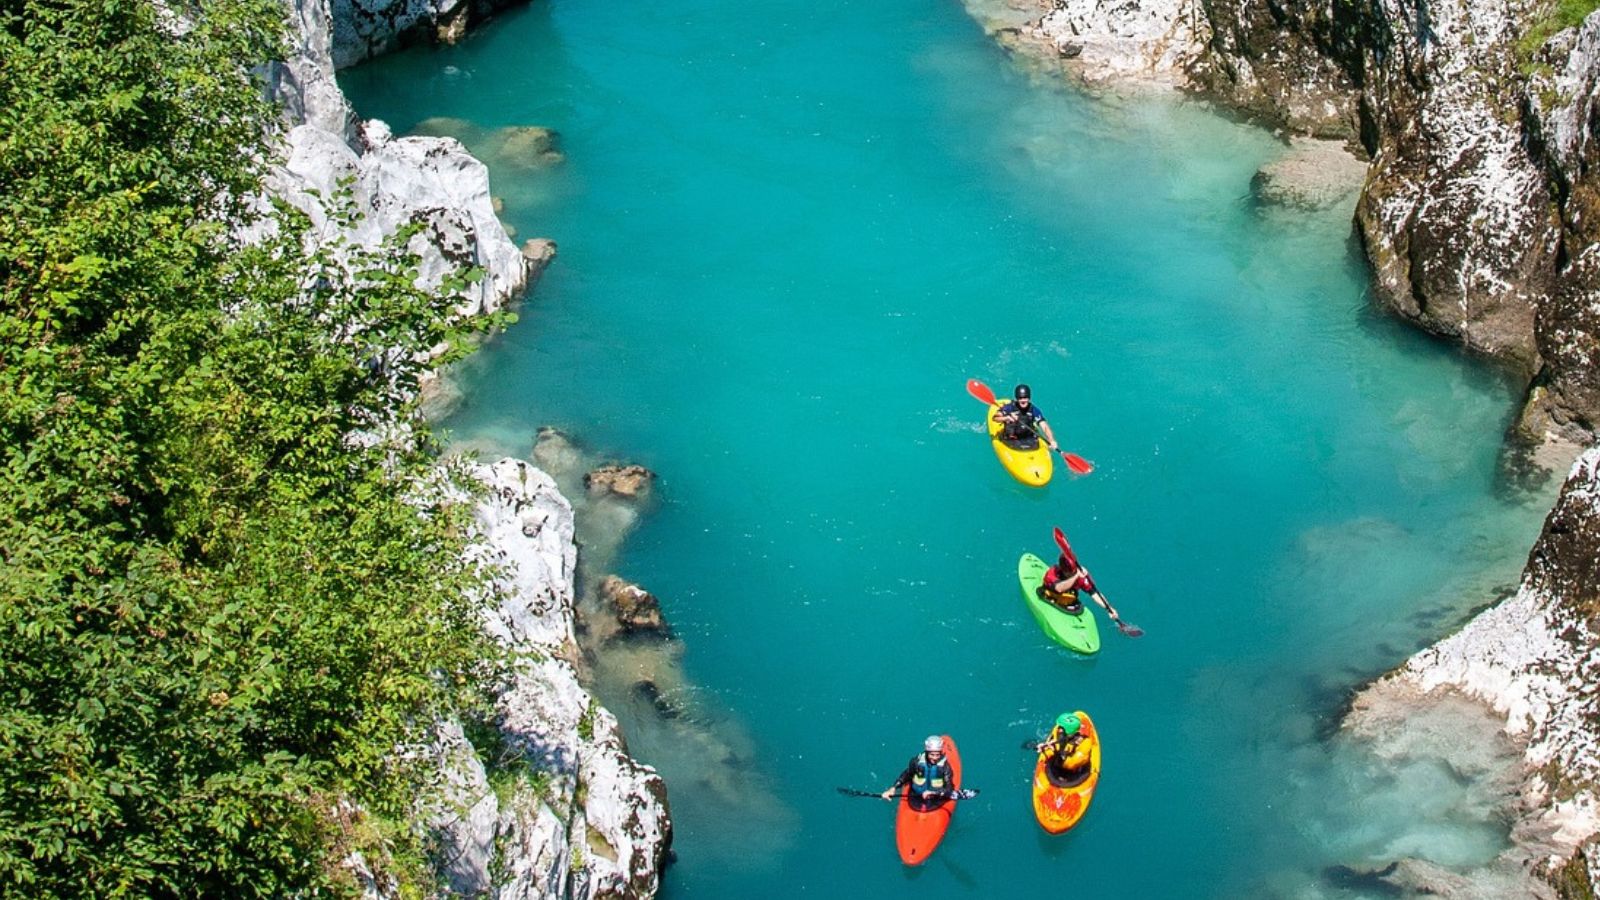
1126	40
581	818
368	28
562	811
402	181
1457	216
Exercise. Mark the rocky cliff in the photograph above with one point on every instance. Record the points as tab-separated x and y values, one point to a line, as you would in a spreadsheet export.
544	802
1475	208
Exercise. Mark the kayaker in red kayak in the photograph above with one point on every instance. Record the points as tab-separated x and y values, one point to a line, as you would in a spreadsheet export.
928	775
1067	577
1068	748
1023	420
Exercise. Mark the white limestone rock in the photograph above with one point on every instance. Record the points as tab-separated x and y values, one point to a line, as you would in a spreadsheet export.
304	83
1110	41
404	181
367	28
598	806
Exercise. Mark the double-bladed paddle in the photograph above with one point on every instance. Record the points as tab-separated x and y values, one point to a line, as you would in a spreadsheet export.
1075	463
1124	627
962	794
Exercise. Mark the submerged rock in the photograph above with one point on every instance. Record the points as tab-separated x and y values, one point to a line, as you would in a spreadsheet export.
628	481
525	146
555	452
448	126
637	610
1313	175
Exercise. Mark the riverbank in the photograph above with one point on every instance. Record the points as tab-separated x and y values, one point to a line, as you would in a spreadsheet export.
546	802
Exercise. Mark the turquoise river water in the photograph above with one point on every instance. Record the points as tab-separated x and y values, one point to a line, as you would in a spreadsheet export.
789	233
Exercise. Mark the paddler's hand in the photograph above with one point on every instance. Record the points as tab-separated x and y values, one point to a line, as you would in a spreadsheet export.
887	795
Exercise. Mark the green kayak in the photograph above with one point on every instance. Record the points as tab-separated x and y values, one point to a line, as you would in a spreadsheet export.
1075	632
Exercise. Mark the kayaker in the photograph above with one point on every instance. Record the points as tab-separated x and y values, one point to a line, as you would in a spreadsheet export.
1068	748
1067	577
1062	582
928	775
1022	419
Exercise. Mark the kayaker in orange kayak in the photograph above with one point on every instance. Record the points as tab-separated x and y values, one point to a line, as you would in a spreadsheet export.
928	776
1068	749
1023	420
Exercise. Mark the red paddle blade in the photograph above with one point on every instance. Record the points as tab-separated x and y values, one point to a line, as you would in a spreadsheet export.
1061	541
1077	464
980	391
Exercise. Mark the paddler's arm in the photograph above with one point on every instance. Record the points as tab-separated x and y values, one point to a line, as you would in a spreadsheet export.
1048	434
901	781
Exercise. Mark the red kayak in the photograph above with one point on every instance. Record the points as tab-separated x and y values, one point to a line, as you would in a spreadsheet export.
918	833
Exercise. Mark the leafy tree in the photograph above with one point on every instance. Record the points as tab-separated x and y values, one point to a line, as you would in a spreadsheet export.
225	599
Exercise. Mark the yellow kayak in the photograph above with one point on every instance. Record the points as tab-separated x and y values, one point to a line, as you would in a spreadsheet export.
1029	460
1059	803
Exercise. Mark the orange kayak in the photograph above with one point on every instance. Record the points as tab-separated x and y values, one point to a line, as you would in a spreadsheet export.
1058	803
917	833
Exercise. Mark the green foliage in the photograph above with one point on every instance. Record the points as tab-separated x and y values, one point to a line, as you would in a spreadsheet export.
586	722
1571	881
221	608
508	769
1557	17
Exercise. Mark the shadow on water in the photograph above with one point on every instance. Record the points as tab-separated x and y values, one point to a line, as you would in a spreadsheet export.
961	875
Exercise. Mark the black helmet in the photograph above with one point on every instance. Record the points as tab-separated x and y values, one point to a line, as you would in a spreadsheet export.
1022	392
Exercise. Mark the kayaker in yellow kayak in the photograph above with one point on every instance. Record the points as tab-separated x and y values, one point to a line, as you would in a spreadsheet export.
1068	749
1022	420
928	775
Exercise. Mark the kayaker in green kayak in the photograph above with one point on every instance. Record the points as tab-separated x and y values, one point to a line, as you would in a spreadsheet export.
1062	582
1067	577
1023	420
928	774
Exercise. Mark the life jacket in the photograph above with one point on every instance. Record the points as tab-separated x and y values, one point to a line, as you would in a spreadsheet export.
1025	420
1078	579
1071	753
1078	755
929	776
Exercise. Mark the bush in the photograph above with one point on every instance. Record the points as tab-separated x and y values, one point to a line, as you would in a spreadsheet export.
221	610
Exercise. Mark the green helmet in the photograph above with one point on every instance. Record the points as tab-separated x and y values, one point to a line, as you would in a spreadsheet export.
1069	723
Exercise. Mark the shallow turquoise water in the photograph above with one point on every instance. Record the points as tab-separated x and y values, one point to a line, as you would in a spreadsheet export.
789	232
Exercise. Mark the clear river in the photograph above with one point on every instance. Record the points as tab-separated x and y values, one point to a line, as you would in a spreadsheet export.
789	232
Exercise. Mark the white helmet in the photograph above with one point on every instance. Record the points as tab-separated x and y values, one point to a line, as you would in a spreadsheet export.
933	744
